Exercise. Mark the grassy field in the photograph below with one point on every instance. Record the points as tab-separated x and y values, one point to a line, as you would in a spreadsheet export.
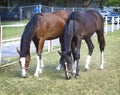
51	82
13	32
14	22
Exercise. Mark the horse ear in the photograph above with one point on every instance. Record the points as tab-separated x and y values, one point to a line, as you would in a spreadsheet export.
18	51
59	53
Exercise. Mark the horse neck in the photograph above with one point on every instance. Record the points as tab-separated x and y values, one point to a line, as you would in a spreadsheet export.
25	41
27	36
66	41
24	48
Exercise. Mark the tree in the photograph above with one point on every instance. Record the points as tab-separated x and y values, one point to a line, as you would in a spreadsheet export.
115	3
86	3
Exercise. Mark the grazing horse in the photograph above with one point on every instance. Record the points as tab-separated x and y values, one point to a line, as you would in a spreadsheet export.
41	27
81	25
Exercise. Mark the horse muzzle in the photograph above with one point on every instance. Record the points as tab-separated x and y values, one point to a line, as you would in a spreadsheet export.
68	75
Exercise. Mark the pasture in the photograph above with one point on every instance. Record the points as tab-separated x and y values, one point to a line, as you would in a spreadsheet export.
12	32
51	82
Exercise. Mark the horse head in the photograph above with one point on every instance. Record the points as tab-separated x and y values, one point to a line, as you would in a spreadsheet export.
24	63
66	61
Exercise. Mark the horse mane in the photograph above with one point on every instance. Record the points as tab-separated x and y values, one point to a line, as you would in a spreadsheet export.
28	35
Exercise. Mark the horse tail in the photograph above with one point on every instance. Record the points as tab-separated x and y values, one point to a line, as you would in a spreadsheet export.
74	16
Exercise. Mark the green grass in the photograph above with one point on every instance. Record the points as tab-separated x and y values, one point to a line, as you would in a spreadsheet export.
13	32
51	82
14	22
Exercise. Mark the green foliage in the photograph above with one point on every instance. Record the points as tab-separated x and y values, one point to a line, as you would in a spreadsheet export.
115	3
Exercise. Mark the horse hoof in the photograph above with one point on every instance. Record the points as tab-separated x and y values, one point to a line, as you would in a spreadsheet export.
40	71
68	78
24	76
58	69
76	76
74	71
36	75
86	69
101	68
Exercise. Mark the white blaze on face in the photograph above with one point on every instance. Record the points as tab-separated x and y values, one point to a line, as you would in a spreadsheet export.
22	60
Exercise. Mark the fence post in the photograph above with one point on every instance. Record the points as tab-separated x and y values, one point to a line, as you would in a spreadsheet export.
21	13
0	41
50	41
106	24
0	44
112	23
73	9
40	8
52	9
118	23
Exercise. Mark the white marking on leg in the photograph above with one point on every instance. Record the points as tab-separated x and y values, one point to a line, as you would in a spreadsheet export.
22	60
74	66
38	68
66	66
59	67
87	62
42	65
66	69
102	61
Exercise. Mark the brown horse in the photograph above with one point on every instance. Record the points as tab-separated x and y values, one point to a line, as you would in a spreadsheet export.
81	25
41	27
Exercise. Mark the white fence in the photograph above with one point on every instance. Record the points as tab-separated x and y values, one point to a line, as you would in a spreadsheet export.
115	21
9	42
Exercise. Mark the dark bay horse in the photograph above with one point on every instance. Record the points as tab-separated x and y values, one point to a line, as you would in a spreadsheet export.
81	25
41	27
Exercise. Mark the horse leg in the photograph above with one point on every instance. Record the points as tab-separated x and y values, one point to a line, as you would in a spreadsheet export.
39	58
74	65
90	47
59	66
77	57
36	42
101	41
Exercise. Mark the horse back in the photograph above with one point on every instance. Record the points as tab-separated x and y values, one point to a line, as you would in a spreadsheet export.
97	18
89	21
50	25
